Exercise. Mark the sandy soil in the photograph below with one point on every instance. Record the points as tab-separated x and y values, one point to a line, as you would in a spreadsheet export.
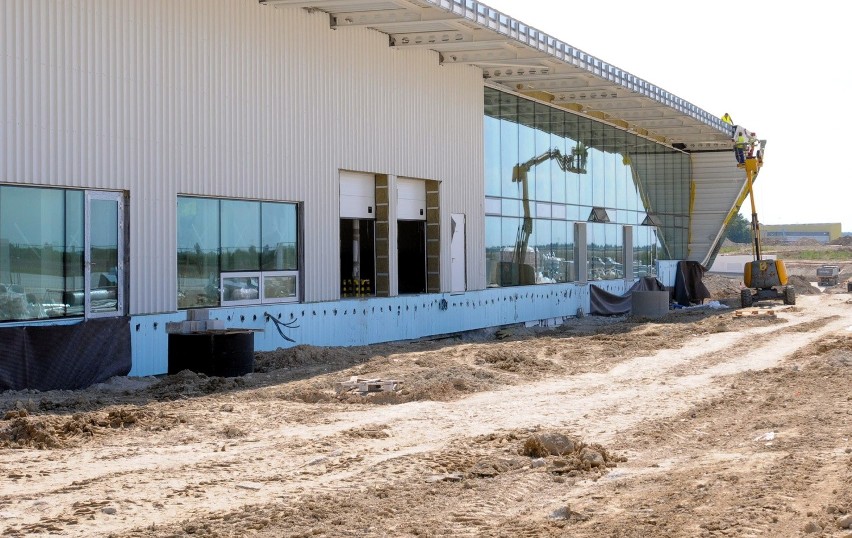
700	424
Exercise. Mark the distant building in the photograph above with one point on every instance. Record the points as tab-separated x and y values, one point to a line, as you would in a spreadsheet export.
790	233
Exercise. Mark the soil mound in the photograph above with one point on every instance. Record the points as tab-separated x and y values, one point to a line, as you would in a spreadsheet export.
188	383
513	360
722	287
802	285
306	356
566	455
843	240
18	429
25	432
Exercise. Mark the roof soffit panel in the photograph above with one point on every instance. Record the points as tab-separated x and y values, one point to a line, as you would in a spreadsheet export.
521	58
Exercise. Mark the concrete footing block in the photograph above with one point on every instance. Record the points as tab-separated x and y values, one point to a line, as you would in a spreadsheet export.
649	304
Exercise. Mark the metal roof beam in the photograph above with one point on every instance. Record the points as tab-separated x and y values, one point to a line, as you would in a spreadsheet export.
461	40
506	57
399	18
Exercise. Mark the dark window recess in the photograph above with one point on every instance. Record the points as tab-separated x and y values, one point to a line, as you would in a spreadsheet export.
412	256
357	258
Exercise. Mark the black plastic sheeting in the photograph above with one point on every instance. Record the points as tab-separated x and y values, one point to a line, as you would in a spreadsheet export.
604	303
64	357
689	286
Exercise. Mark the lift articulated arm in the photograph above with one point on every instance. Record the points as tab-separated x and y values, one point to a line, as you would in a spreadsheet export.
752	166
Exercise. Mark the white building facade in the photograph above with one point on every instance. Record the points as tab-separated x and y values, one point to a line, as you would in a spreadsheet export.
265	164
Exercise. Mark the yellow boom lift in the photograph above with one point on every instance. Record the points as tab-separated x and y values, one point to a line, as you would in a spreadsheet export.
763	278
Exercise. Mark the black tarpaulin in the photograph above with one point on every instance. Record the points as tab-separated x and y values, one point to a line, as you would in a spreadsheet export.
689	286
604	303
67	357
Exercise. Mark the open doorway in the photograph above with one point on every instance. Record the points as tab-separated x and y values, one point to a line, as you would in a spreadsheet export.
411	246
357	257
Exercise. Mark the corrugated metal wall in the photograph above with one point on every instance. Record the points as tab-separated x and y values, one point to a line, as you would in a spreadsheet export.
229	98
718	184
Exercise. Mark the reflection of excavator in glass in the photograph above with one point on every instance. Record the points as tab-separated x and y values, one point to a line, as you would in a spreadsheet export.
517	272
762	275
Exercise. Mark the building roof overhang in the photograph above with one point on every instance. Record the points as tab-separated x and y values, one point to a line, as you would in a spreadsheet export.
522	59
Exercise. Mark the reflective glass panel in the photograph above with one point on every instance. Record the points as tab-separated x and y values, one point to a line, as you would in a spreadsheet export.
278	237
240	232
32	247
72	300
198	252
281	287
492	142
508	144
103	252
493	250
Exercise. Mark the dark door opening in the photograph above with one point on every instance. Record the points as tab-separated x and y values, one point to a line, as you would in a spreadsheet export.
411	245
357	258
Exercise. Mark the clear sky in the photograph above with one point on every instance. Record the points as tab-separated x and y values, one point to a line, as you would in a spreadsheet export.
780	69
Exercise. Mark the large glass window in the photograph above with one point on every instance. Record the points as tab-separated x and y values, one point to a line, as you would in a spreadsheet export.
49	268
32	251
233	252
554	166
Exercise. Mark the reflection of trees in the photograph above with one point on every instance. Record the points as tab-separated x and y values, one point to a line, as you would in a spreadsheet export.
280	257
240	259
47	260
196	262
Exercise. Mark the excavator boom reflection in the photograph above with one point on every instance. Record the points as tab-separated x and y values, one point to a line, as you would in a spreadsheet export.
575	162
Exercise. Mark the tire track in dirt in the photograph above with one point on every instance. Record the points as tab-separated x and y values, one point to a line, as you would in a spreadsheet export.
595	405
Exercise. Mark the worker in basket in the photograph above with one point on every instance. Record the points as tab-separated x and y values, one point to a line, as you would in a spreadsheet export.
740	146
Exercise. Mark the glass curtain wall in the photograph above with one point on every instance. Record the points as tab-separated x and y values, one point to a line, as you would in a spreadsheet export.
546	168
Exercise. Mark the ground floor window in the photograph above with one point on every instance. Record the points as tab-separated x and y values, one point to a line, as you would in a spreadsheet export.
646	251
61	253
529	251
605	249
236	252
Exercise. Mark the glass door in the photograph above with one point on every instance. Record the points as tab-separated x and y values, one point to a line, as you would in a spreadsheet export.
104	254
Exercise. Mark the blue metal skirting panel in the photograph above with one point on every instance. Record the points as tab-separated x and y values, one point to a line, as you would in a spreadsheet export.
353	322
149	343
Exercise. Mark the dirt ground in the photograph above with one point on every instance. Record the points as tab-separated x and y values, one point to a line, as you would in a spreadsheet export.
699	424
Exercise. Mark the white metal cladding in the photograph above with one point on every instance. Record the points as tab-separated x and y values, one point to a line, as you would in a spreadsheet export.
718	184
234	99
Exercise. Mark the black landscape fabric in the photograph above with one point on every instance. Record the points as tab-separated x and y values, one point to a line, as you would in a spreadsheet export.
604	303
64	357
689	285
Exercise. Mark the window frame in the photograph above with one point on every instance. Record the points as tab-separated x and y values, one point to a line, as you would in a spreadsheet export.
260	274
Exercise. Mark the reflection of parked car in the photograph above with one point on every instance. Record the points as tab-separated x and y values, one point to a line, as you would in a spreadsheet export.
640	270
596	268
